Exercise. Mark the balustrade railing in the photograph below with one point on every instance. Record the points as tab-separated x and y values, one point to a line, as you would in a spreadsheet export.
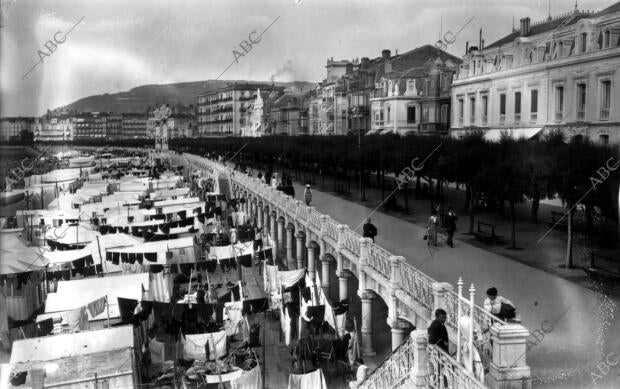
412	282
314	218
352	241
394	370
379	259
417	285
331	228
445	372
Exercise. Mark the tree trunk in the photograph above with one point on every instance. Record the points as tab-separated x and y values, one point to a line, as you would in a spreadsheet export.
513	227
467	196
569	241
535	207
472	199
589	222
406	193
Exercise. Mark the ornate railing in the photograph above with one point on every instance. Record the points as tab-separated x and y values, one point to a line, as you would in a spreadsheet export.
417	284
393	370
301	212
445	372
331	229
351	241
379	260
315	219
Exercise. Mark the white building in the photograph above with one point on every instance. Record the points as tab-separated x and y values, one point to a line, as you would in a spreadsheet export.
561	73
12	127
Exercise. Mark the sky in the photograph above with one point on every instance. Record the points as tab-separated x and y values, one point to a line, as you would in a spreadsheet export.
115	45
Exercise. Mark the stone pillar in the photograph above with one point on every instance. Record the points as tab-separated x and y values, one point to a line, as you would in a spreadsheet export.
400	329
289	247
281	241
419	372
439	297
265	218
273	228
367	297
259	222
508	368
299	252
311	268
325	274
343	284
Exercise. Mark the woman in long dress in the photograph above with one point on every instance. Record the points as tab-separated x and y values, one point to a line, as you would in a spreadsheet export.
432	228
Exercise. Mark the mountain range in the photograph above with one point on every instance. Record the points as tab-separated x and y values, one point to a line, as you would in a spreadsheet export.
139	99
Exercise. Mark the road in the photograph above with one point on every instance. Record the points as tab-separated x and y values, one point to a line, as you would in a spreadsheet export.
580	328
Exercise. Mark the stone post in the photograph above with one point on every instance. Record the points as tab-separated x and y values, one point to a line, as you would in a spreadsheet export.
367	297
419	371
311	268
363	262
439	300
281	241
325	274
400	329
290	260
265	218
343	284
299	252
274	236
509	369
259	215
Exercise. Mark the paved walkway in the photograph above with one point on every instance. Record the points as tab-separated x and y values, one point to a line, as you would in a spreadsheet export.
580	327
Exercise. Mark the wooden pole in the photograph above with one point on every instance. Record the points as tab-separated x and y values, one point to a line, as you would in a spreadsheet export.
107	304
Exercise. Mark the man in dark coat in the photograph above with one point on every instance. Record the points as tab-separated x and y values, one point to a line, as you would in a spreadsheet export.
437	332
450	222
369	230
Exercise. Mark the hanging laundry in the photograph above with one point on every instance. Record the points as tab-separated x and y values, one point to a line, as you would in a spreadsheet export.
97	307
126	308
314	380
249	380
233	312
157	352
78	320
255	305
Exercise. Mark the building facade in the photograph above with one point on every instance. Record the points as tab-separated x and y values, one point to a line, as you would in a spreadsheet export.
55	128
412	92
223	112
561	73
181	125
133	126
11	127
90	125
288	115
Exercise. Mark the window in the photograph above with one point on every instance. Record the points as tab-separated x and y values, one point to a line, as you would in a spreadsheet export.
472	110
606	39
425	114
581	101
461	111
502	108
485	109
605	99
517	107
604	139
559	103
583	42
534	105
410	114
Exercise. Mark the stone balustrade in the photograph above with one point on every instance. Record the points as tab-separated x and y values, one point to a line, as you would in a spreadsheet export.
410	294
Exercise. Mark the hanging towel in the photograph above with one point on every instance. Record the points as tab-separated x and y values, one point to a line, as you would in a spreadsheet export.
157	352
291	277
234	313
96	307
249	380
314	380
270	279
194	345
78	320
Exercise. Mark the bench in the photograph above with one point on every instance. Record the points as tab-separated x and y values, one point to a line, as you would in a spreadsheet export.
595	270
486	232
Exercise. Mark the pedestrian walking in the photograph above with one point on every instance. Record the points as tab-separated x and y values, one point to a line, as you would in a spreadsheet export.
433	222
308	195
451	225
369	230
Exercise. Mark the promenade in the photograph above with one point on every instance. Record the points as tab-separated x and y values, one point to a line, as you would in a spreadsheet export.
580	326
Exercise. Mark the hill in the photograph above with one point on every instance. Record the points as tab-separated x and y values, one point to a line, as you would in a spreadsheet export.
140	98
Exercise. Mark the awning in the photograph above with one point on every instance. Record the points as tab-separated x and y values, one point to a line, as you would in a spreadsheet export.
495	134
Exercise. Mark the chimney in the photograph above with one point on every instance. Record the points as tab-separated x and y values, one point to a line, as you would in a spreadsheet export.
467	47
395	52
385	54
480	39
482	44
364	62
525	26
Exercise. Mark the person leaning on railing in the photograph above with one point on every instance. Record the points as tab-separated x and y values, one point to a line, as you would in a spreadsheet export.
499	306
